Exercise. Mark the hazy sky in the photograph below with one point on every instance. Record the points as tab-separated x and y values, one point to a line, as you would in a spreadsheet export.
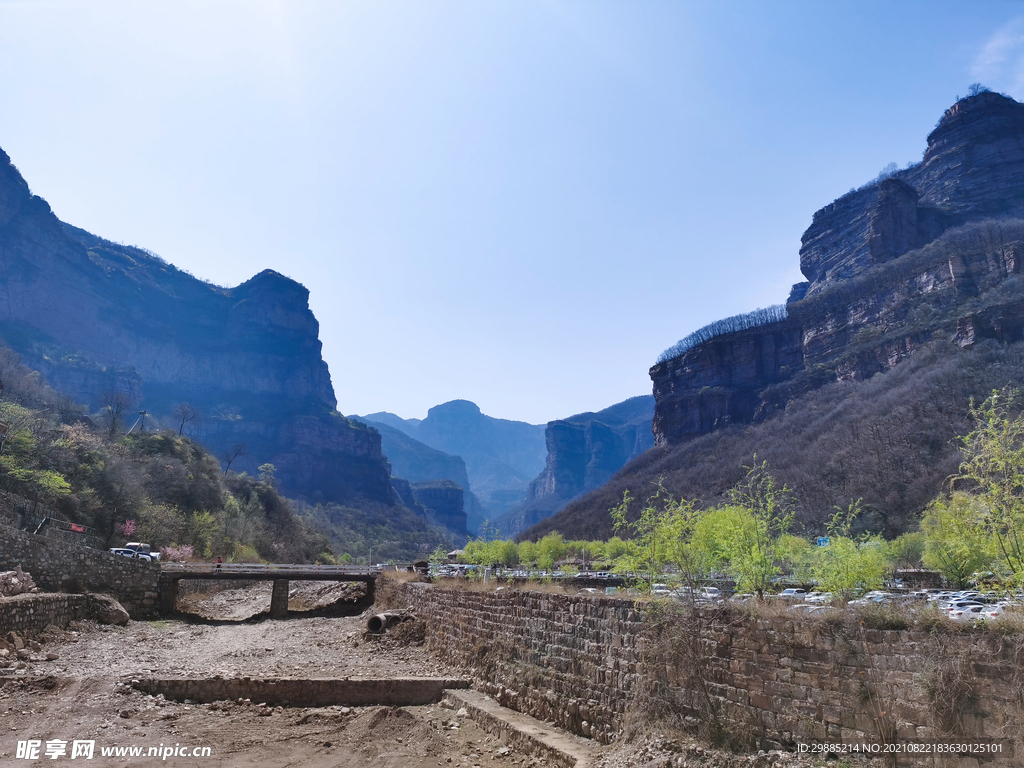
518	203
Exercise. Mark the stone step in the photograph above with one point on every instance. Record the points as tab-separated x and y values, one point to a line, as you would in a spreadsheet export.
524	733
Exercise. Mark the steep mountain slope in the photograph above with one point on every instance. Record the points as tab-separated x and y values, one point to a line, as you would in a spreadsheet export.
96	318
932	257
501	455
584	451
888	440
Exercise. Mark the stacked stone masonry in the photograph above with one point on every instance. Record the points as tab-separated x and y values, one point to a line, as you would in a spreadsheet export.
28	615
581	662
59	566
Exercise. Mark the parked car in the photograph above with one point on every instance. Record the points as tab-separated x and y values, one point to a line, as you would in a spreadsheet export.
960	605
125	552
969	613
144	551
793	593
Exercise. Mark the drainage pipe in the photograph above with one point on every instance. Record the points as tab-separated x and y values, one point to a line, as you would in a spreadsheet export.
378	623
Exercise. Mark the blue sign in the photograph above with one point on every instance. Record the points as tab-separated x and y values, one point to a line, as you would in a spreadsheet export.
823	541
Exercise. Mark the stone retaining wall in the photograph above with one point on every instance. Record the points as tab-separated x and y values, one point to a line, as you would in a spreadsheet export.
586	662
61	566
572	661
28	615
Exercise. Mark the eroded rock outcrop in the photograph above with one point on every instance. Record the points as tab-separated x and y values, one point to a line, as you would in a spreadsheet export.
932	252
443	500
584	451
94	316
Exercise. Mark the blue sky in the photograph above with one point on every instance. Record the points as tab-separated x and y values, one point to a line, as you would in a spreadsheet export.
518	203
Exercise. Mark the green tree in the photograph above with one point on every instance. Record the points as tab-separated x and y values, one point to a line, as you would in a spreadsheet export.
908	549
992	472
647	556
527	552
847	563
956	539
203	529
267	473
756	547
614	548
550	550
662	537
506	552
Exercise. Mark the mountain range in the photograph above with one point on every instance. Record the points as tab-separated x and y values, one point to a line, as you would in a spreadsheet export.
913	303
565	458
856	389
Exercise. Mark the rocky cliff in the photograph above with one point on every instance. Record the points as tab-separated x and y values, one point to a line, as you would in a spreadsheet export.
584	452
931	252
443	501
417	462
96	317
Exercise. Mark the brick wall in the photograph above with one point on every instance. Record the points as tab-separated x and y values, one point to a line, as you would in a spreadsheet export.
30	614
584	662
61	566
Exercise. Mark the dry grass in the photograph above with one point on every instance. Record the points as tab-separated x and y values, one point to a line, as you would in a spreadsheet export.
478	585
890	617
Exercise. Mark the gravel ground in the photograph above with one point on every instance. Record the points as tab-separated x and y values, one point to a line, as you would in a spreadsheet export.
84	694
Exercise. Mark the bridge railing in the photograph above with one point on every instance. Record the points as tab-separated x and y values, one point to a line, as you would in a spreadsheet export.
267	569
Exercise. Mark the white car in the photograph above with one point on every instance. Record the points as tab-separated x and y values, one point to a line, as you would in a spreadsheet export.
144	551
969	613
818	598
125	552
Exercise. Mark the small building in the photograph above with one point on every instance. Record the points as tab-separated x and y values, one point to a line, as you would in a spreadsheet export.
455	554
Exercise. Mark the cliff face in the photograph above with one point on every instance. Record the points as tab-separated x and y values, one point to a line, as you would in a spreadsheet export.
930	253
973	169
584	451
94	316
719	382
442	500
419	463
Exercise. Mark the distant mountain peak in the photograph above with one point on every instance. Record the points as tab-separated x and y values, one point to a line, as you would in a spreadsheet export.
463	408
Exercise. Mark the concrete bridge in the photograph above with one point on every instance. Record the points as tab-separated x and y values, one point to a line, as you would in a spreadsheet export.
281	575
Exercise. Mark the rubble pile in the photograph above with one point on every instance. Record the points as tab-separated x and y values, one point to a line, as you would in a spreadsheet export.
16	582
17	653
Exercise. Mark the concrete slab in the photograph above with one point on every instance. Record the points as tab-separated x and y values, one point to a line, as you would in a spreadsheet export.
524	733
350	692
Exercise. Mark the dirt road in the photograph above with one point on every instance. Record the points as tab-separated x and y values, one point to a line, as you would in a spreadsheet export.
85	694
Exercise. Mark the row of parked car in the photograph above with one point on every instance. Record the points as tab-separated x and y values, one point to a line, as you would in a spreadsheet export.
137	550
962	605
